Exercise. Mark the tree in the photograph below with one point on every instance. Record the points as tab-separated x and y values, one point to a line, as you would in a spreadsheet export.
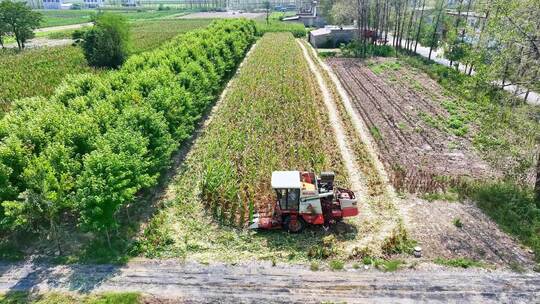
434	41
19	20
537	182
267	10
3	31
106	44
343	12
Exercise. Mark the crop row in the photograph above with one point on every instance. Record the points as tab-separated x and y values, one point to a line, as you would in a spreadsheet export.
86	151
270	120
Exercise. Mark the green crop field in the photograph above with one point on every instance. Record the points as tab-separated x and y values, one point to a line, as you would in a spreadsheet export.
67	17
39	70
149	34
43	69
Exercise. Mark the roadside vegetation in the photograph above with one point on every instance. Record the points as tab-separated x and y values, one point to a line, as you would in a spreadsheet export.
80	157
55	298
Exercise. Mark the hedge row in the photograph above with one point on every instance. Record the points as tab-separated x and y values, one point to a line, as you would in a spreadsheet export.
98	141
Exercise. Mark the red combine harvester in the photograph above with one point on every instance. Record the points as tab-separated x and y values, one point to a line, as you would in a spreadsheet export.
303	199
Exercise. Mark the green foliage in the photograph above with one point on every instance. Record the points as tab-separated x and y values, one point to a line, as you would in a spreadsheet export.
314	266
17	19
43	69
106	44
297	29
148	34
457	222
459	262
336	264
19	297
398	242
512	207
502	129
358	49
325	249
382	264
75	16
89	149
450	195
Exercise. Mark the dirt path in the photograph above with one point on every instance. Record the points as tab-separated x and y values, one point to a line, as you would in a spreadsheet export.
42	42
262	283
63	27
379	223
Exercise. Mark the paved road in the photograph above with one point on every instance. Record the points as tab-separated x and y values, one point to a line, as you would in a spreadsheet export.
262	283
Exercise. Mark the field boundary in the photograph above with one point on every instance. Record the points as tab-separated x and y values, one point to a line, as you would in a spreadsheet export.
379	212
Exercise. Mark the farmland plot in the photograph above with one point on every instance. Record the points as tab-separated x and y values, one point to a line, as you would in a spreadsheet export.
423	147
272	118
403	113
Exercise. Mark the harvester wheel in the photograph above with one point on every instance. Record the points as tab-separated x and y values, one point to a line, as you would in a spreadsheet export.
294	226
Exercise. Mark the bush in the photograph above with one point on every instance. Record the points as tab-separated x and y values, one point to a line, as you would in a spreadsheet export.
106	43
88	150
514	208
358	49
298	30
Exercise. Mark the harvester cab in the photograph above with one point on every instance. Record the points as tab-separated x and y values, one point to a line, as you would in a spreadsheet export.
303	198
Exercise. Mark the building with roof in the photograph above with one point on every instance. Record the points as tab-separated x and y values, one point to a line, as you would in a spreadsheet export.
52	4
332	36
93	3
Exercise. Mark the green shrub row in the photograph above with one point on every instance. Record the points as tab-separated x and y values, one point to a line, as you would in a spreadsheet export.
90	148
297	29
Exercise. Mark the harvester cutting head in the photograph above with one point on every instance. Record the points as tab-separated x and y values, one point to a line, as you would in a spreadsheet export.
303	198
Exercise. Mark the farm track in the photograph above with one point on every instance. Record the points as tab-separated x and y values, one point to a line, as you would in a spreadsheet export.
382	221
262	283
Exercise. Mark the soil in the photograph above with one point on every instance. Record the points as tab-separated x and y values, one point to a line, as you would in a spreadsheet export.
172	281
416	153
393	107
478	238
42	42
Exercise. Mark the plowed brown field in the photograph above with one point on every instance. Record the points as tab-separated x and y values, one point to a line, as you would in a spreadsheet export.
402	109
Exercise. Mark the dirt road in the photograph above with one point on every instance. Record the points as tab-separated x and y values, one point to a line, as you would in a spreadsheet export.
262	283
42	42
63	27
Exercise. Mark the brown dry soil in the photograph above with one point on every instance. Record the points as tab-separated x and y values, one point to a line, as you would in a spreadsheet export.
397	105
478	238
394	101
176	282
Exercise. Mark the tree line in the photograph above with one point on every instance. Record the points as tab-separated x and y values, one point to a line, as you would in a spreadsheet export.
498	40
81	156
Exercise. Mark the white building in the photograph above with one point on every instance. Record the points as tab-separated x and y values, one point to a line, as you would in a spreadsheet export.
93	3
129	3
52	4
